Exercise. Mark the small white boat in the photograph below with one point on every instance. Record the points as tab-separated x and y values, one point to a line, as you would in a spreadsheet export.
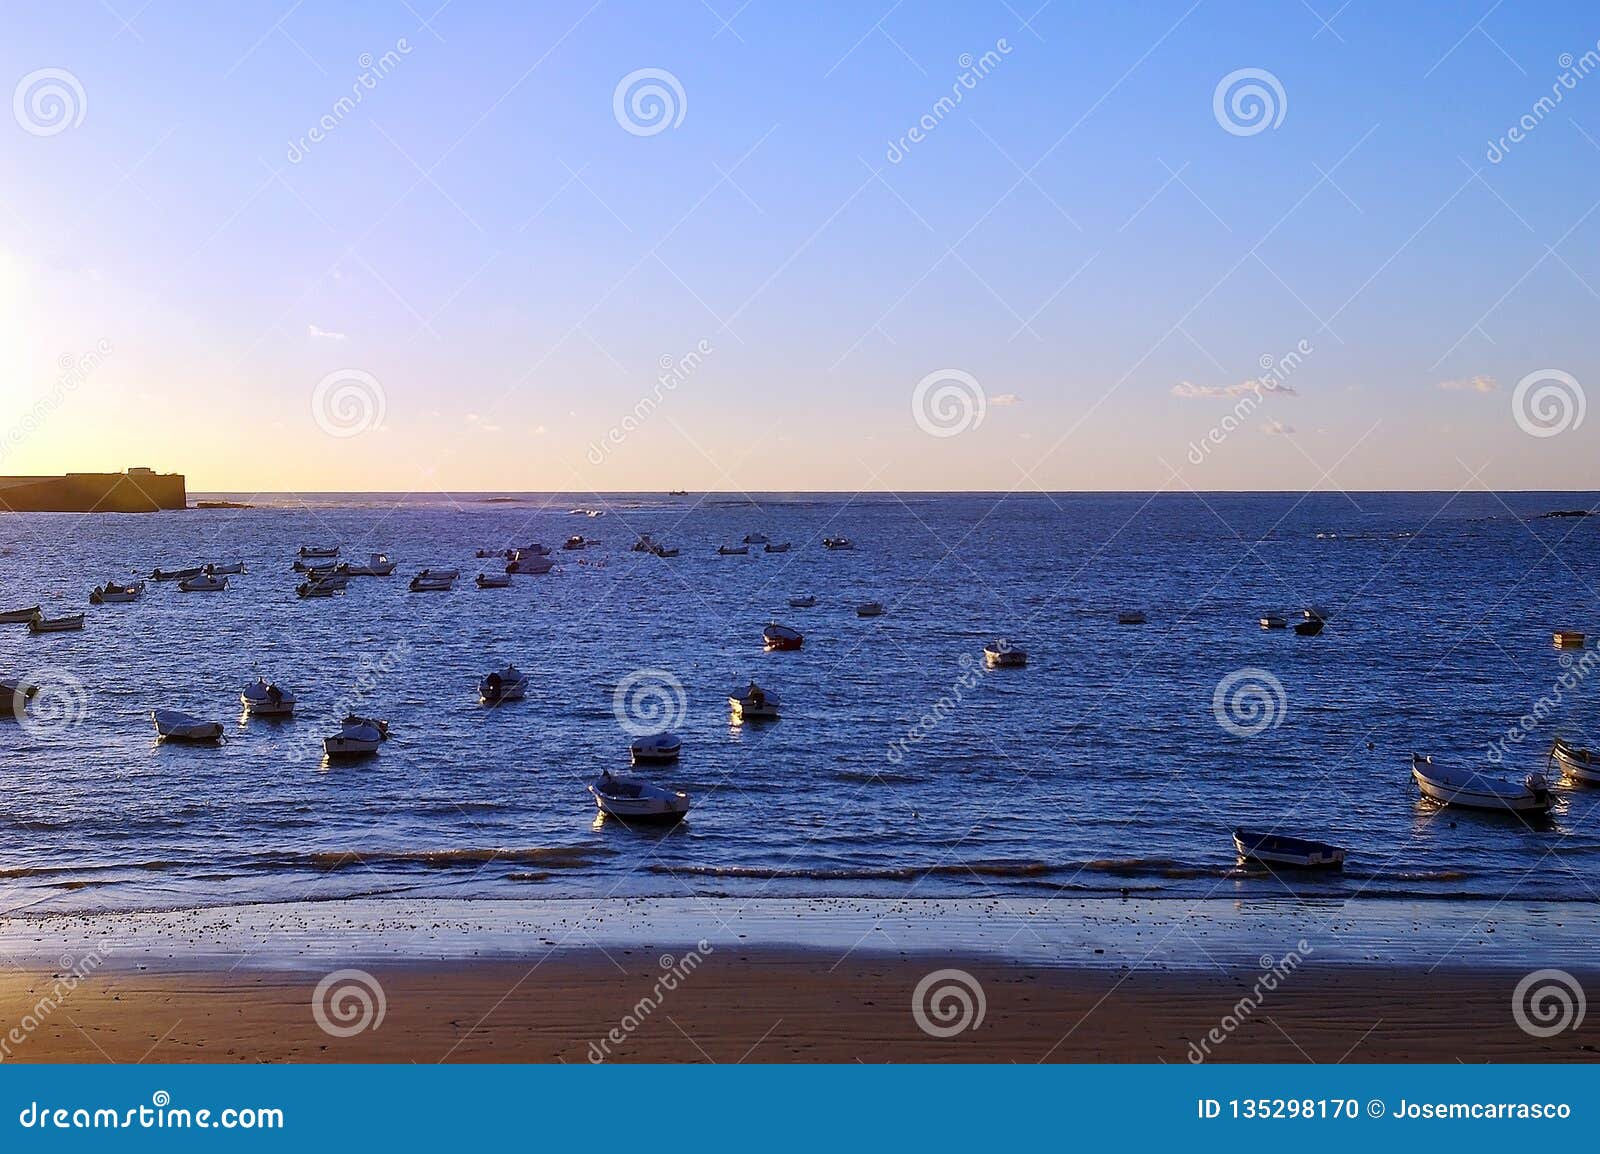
174	726
1131	617
493	581
1314	613
805	602
656	748
508	684
577	542
112	593
20	616
262	698
530	563
534	550
1271	849
42	624
1568	639
633	800
309	551
1465	787
754	704
870	609
315	588
357	737
755	538
377	565
733	550
205	583
1274	621
1003	655
14	698
780	547
663	551
177	574
781	638
838	543
231	568
1578	764
426	582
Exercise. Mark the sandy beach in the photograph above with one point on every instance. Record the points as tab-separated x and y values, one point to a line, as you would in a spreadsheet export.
783	980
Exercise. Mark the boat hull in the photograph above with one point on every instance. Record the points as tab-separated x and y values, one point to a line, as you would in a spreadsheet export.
1286	852
1577	764
1468	796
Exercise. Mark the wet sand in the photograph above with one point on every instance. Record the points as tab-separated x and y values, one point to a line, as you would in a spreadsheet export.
776	1006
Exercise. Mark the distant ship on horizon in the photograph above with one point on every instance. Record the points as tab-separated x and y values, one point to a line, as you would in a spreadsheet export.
139	490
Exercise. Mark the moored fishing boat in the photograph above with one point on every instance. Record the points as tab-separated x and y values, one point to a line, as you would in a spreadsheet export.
204	583
310	551
1309	627
578	542
357	737
629	799
755	538
1577	763
779	547
14	698
377	565
803	602
754	704
315	588
780	638
655	748
177	574
112	593
224	569
427	582
1131	617
172	725
1274	621
733	550
1465	787
42	624
870	609
492	581
19	616
1002	654
1271	849
508	684
534	563
838	543
1568	639
262	698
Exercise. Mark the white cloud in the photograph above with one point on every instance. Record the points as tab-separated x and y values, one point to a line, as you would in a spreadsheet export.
1277	429
1191	391
1478	384
324	334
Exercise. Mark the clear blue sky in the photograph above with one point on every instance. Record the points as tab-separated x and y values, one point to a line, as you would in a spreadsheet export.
1080	234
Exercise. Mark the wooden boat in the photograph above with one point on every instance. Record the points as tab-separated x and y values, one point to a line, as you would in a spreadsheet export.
377	565
315	588
113	594
19	616
174	726
1274	621
441	574
629	799
1310	627
534	563
655	748
230	569
493	581
838	543
870	609
204	583
1131	617
1578	764
1003	655
425	582
1271	849
805	602
177	574
308	551
43	624
1465	787
1568	639
781	547
357	737
508	684
754	704
733	550
780	638
266	699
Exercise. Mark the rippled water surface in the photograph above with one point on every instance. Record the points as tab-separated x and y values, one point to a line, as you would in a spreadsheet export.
898	767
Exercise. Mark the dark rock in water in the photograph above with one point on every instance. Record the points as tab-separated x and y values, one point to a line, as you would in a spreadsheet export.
1569	513
223	505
